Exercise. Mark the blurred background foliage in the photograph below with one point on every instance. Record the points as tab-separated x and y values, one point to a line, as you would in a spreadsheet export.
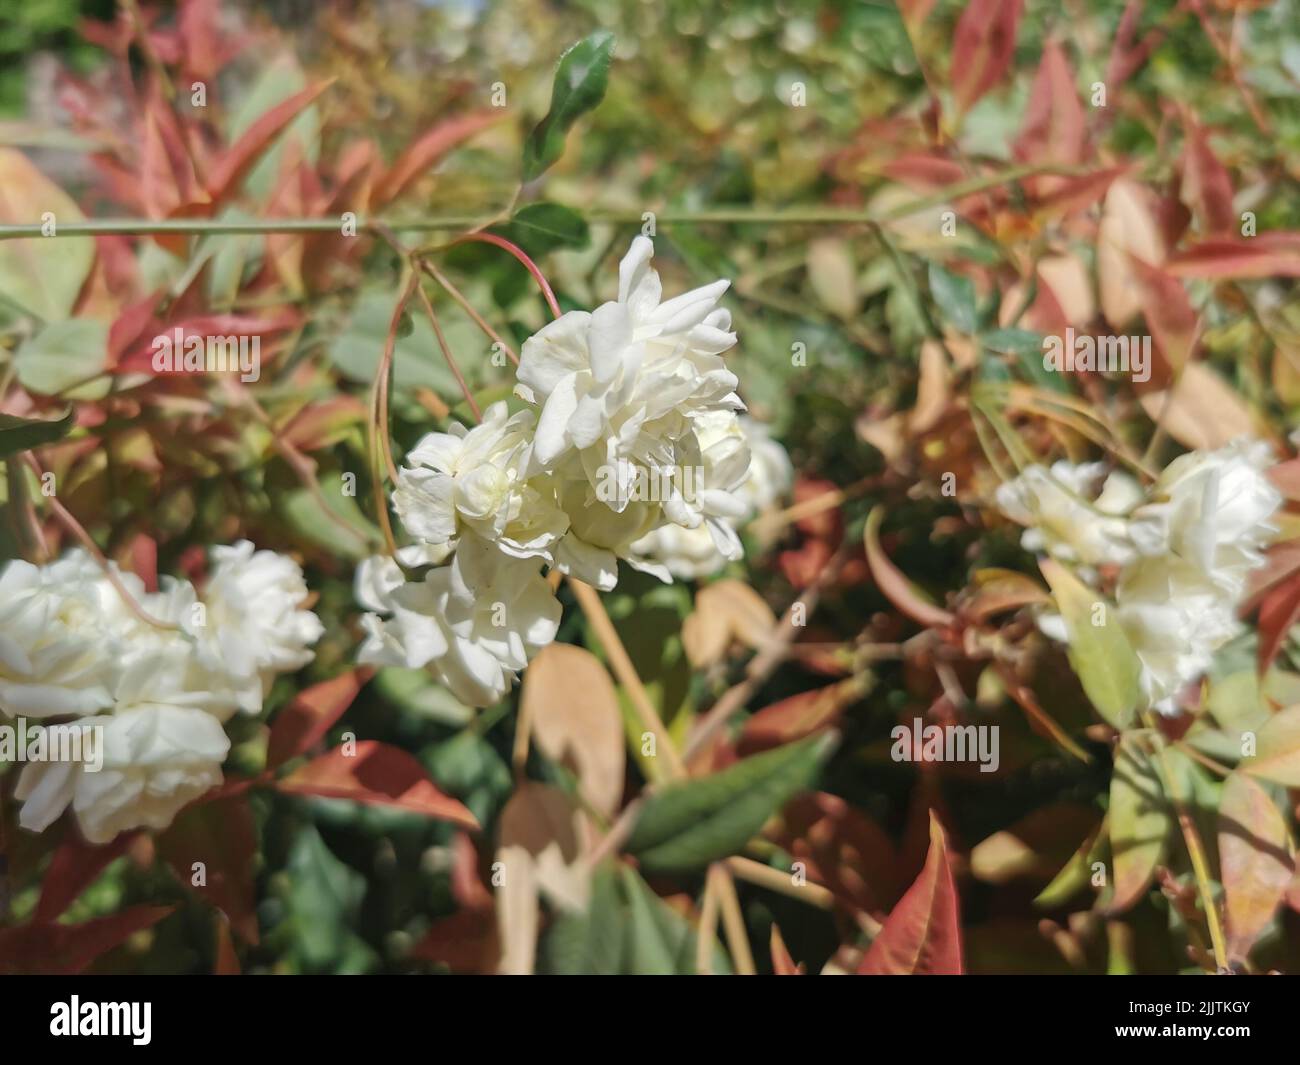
696	118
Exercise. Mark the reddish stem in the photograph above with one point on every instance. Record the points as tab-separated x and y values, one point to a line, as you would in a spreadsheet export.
525	261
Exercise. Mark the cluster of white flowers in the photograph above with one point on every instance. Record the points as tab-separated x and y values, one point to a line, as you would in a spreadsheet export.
72	651
1183	549
689	554
630	430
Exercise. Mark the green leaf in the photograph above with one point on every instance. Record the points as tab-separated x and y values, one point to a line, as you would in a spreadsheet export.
955	297
626	930
540	228
580	81
417	358
41	275
691	823
20	434
1099	650
588	943
1139	823
323	899
66	358
277	81
1277	750
310	520
1074	875
1026	347
659	940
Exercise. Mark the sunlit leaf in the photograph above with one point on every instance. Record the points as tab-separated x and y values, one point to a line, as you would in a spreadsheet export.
579	87
687	824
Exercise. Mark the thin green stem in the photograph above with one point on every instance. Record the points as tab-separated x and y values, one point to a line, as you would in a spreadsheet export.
731	215
1195	848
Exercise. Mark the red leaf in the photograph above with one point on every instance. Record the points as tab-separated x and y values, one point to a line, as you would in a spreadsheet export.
923	933
798	716
896	587
1267	255
129	325
1280	561
1066	195
75	866
1207	188
982	48
321	424
1278	611
67	949
431	147
841	848
466	942
312	713
231	169
140	358
379	775
1054	130
1169	313
220	835
923	169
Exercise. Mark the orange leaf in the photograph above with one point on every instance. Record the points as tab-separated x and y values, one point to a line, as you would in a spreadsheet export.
571	706
219	835
379	775
312	713
896	587
923	933
1255	860
431	147
798	716
1203	412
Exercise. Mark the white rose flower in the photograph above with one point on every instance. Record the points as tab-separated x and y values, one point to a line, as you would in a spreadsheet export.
1212	509
623	381
252	627
477	478
1067	518
474	623
687	554
771	474
378	576
156	759
716	508
1175	620
58	656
